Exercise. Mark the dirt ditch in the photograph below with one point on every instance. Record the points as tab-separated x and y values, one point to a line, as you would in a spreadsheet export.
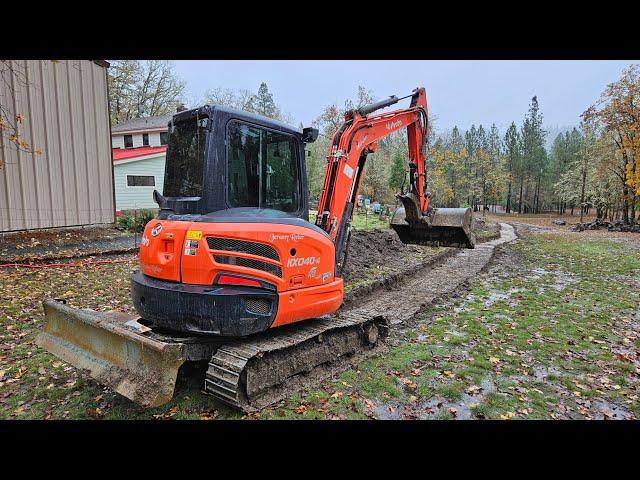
424	286
377	259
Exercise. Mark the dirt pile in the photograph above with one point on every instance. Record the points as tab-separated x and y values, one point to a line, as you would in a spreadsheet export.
599	224
380	250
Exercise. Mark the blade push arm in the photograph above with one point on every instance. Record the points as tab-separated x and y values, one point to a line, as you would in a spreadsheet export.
350	145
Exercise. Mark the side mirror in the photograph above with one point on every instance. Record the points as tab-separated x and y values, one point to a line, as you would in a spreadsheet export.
309	135
159	199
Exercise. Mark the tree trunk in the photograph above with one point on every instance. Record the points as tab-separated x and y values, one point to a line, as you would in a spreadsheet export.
633	195
625	204
520	199
509	199
584	181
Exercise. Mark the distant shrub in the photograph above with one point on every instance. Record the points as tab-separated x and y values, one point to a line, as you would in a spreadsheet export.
142	218
135	221
125	222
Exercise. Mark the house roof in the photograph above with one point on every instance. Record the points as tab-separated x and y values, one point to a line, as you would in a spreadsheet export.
130	153
145	123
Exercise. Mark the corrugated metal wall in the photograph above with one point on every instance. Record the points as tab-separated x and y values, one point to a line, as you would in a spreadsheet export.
66	115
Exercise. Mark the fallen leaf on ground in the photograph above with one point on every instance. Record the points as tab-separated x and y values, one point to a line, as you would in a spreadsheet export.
94	412
409	384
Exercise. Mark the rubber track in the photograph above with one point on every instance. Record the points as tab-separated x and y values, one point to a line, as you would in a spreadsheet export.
230	366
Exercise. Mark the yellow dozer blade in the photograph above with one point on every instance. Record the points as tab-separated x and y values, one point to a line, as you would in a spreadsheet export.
118	351
444	227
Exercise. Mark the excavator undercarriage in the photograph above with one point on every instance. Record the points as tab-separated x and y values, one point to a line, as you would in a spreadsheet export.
143	363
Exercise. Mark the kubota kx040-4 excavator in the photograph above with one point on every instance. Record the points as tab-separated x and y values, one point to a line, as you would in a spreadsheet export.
232	254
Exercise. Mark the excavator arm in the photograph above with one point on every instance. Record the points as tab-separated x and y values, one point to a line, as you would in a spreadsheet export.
350	145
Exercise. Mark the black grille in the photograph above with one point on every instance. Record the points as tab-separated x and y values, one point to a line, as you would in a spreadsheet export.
231	245
261	306
249	263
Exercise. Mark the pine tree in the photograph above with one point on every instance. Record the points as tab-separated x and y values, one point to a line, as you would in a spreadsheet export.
263	102
512	147
534	157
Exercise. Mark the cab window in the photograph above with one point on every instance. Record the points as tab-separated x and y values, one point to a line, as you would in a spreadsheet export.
262	168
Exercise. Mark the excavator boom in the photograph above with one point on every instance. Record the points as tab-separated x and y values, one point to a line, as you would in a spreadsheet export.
416	222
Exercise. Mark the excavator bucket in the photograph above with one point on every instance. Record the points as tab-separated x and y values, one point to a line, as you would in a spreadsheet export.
442	227
118	351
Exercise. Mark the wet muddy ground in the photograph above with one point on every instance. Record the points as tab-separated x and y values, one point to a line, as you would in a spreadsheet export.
543	332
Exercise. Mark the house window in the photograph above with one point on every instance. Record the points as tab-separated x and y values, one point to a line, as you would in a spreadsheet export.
164	137
141	181
128	141
145	139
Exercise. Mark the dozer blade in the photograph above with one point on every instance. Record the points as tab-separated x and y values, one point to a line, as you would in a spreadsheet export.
136	365
443	227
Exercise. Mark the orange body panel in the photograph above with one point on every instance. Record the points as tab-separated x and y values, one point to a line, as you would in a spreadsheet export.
306	287
160	253
309	302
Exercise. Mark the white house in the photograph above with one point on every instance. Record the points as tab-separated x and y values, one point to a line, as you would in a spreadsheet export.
141	132
139	152
137	172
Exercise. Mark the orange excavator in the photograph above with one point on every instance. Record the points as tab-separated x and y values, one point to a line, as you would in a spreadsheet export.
233	274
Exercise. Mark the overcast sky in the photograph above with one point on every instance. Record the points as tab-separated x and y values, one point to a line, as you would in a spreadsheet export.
460	92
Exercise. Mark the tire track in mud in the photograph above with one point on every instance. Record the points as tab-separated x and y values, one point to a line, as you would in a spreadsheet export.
404	300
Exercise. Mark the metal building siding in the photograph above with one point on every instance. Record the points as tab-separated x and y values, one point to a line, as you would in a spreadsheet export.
66	115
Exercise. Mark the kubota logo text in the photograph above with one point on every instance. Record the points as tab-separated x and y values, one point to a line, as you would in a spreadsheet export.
392	125
361	142
286	237
302	261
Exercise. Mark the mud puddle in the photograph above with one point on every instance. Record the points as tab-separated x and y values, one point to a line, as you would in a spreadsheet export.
437	407
493	297
610	411
560	281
